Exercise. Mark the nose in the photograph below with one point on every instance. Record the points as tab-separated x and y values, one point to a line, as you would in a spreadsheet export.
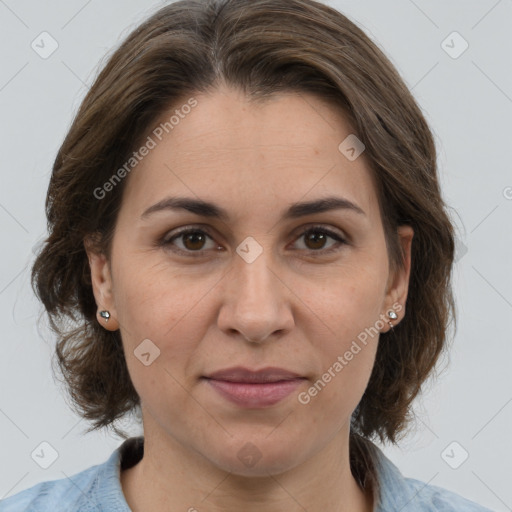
256	299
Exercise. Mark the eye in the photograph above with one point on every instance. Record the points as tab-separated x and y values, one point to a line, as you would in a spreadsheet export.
317	235
193	240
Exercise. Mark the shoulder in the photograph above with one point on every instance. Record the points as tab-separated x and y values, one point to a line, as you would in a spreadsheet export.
96	489
432	497
50	495
397	492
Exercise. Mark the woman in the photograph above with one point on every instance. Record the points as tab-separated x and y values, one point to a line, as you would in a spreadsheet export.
248	247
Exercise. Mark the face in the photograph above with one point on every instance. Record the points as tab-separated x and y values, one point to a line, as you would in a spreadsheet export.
256	288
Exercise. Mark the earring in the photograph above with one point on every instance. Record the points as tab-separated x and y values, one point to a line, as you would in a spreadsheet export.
105	315
392	315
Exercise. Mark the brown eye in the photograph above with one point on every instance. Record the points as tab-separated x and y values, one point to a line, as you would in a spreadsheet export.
316	238
192	241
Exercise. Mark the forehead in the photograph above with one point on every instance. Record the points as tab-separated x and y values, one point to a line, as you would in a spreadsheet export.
250	155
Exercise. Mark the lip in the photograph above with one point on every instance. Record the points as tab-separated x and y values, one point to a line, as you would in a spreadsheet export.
254	388
264	375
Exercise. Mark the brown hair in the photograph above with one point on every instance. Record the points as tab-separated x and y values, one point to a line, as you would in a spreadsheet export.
262	47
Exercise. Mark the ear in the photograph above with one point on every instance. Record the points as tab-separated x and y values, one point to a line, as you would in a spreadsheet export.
398	282
102	285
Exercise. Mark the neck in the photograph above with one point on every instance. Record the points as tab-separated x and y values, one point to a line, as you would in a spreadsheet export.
171	476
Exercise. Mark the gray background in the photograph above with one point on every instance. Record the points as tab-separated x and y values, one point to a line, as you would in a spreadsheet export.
468	102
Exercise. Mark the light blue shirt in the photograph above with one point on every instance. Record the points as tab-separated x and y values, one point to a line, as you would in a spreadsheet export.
98	489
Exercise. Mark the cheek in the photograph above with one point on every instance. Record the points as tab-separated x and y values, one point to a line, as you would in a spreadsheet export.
347	316
157	305
346	362
350	301
152	298
157	316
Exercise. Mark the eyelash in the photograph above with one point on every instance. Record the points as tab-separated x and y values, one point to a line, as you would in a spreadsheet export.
167	241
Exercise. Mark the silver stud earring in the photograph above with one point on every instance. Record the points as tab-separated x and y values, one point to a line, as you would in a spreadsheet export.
105	315
393	316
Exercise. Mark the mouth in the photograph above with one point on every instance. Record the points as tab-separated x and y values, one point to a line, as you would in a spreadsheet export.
254	388
245	375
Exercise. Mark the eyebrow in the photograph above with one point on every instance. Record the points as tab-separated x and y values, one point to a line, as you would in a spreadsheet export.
211	210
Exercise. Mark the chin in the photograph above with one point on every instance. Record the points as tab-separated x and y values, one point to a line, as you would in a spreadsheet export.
258	458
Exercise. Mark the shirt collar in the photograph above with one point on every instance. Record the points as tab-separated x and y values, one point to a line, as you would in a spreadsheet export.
394	493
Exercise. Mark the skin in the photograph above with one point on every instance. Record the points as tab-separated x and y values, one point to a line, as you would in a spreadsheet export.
295	306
